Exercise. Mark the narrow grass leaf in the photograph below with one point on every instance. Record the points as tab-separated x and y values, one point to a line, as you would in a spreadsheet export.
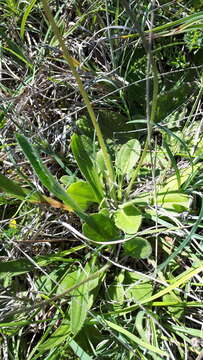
187	330
19	56
185	242
187	275
25	16
13	189
171	133
135	339
82	355
174	163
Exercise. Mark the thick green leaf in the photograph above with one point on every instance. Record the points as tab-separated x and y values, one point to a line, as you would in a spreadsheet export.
59	335
127	157
128	218
104	230
171	183
170	200
13	188
47	179
113	125
79	306
67	180
100	162
137	288
176	311
82	299
86	165
138	248
22	266
175	201
82	193
116	291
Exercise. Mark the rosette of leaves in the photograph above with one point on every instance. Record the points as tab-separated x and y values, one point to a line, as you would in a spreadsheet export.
113	219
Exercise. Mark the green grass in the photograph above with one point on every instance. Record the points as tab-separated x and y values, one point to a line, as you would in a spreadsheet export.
101	180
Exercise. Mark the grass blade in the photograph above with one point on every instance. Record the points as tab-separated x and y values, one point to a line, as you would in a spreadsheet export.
135	339
185	242
25	16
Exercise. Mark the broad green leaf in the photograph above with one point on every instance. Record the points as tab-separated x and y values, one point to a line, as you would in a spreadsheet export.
171	201
138	248
116	291
13	188
82	299
59	335
129	286
176	311
104	230
22	266
128	218
67	180
79	306
141	200
136	288
127	157
68	280
175	201
46	283
171	183
100	162
86	165
82	193
186	241
47	179
169	100
113	125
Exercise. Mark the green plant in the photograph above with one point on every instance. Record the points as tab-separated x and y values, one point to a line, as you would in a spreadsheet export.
118	187
104	184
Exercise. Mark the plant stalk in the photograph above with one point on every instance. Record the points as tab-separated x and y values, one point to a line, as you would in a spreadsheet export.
150	108
87	102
